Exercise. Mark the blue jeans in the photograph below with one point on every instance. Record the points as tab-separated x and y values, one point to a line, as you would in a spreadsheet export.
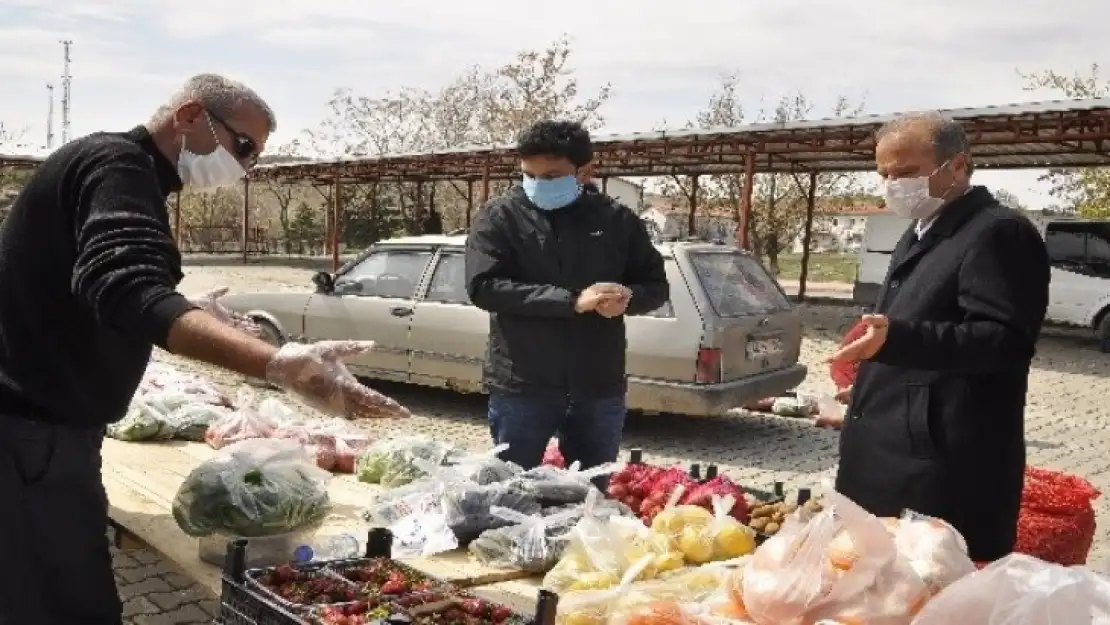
589	430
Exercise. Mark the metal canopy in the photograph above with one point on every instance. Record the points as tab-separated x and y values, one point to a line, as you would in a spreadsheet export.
20	161
1062	133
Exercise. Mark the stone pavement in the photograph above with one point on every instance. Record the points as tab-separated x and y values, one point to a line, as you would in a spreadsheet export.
1067	428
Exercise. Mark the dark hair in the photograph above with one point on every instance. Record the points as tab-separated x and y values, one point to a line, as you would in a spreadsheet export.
549	137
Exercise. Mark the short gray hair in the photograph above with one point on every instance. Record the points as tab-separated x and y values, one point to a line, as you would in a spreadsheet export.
219	94
948	135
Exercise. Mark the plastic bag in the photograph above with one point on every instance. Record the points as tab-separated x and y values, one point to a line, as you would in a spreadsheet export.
484	468
842	565
391	462
166	415
1057	519
534	543
160	377
934	549
593	606
702	537
245	423
253	488
601	549
555	486
1022	590
468	507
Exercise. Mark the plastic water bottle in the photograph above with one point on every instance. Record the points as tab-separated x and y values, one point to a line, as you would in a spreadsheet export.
337	547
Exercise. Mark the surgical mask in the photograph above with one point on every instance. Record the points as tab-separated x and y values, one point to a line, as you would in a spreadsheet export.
553	194
218	169
909	198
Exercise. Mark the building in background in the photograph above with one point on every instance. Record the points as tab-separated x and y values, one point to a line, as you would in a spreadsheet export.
624	191
838	229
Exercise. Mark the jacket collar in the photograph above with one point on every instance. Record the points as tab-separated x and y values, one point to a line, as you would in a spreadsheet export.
169	181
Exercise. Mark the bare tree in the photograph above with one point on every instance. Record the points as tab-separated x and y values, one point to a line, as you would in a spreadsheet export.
1083	191
778	200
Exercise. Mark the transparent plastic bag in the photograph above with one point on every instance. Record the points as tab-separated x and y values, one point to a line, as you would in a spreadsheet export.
484	468
703	536
245	423
841	565
593	606
555	486
468	507
166	415
253	488
391	462
934	549
533	543
601	549
1022	590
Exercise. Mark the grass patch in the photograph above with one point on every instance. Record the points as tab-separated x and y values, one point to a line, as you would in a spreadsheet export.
822	267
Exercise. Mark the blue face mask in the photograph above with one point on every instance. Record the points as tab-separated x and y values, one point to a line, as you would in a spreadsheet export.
554	194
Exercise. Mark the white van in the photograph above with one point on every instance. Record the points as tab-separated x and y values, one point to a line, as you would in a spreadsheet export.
1079	250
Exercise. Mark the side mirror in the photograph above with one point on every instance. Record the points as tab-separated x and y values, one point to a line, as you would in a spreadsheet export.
324	282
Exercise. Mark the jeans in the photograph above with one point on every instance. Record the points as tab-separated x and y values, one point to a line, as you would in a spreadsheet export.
589	430
58	567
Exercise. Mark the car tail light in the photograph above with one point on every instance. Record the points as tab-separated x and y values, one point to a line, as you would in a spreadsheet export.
709	366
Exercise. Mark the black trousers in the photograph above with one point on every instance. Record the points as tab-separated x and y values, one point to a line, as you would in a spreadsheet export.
57	566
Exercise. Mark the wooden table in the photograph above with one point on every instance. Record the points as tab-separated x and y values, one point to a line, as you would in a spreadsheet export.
142	479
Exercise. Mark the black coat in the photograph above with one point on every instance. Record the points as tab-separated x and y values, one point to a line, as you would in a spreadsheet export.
936	419
527	266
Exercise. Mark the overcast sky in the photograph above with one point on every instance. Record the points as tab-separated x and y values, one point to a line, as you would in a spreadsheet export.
663	57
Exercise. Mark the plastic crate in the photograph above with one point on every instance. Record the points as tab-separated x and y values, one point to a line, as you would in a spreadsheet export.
243	601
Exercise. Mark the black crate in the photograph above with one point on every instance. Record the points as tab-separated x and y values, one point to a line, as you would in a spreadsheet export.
243	601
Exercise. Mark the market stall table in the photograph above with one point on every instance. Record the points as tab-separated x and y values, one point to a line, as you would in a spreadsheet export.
141	480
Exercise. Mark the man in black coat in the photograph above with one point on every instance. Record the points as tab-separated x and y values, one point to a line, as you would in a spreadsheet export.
558	264
936	418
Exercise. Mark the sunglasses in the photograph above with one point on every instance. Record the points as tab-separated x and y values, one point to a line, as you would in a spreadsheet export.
244	148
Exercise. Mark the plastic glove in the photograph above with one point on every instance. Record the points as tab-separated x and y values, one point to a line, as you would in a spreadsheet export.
316	375
209	301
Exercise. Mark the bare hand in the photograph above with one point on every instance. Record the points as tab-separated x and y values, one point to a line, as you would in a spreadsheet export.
866	346
316	375
595	294
843	395
614	305
209	301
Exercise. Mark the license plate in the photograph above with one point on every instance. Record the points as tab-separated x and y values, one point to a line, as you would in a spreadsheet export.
761	348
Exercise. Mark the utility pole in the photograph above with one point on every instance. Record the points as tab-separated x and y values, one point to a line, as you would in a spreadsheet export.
50	117
66	79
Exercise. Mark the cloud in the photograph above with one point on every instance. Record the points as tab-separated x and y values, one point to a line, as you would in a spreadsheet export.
663	59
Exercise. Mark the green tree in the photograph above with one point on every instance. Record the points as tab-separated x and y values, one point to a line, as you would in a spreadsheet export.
1083	191
306	231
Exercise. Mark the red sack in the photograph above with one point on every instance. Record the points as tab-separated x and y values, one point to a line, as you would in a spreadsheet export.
1057	520
843	373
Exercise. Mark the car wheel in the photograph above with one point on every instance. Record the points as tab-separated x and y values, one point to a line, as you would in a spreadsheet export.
270	333
1103	332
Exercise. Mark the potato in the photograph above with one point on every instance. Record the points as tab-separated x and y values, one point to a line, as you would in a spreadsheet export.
771	528
762	511
759	523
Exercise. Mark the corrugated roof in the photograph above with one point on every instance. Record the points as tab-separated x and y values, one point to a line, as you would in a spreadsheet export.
1032	135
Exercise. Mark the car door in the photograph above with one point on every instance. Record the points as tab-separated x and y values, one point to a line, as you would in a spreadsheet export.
448	334
373	300
1069	289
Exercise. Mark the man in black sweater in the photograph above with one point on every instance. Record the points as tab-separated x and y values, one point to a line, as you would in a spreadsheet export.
88	277
558	265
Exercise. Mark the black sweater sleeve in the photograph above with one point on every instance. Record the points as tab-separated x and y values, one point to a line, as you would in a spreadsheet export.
127	265
645	273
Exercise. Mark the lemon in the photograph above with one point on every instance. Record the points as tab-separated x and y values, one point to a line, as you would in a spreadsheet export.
582	617
695	545
671	521
669	561
594	580
733	541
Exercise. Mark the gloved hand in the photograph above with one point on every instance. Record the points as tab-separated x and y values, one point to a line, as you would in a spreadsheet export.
209	302
316	375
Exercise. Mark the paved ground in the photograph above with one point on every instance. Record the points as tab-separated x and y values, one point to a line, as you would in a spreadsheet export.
1067	429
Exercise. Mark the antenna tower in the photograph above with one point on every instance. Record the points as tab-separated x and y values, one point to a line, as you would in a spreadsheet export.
50	117
66	79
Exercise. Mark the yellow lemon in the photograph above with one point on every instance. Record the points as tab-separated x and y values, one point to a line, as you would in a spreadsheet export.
733	541
669	561
695	545
582	617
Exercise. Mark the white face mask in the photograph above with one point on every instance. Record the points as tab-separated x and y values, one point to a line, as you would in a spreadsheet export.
909	197
218	169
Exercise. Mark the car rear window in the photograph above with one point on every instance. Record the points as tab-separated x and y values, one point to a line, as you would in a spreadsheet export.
737	285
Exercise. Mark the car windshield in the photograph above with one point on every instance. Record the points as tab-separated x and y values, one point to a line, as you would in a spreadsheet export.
737	285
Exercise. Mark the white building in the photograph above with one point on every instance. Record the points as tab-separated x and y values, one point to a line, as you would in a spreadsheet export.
838	231
624	191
